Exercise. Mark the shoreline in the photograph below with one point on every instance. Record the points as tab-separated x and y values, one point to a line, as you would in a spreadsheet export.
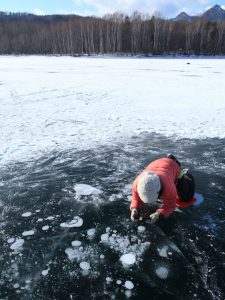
110	56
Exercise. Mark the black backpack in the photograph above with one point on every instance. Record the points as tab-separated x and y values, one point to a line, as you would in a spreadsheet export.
186	187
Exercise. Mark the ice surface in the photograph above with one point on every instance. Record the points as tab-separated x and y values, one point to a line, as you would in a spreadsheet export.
58	102
129	285
17	244
127	190
38	116
128	259
76	222
162	272
28	232
85	190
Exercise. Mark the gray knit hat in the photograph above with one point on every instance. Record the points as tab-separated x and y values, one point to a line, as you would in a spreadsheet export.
148	187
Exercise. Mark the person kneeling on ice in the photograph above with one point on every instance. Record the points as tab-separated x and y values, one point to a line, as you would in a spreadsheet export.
165	180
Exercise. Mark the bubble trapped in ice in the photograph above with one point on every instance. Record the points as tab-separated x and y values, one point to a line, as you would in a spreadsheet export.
26	214
17	244
76	222
85	266
141	229
76	243
129	285
128	259
162	272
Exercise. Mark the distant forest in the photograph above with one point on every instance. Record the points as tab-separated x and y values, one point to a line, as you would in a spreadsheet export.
112	34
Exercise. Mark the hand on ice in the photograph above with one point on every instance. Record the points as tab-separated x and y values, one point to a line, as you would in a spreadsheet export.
135	215
154	217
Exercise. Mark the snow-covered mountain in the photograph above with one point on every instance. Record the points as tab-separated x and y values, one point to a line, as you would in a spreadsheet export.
183	16
215	13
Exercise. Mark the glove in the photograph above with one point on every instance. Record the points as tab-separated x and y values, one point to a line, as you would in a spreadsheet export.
154	217
183	172
134	214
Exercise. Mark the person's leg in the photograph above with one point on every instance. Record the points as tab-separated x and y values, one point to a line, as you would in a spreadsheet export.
186	187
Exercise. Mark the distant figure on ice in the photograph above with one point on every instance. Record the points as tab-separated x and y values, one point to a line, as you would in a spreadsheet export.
165	180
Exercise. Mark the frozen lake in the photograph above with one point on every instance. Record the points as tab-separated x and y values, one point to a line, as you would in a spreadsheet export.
57	103
74	134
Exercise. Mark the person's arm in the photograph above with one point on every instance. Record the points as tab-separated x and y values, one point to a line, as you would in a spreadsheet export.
169	205
136	203
136	200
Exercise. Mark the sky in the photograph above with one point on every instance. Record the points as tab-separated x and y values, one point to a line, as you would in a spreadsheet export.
101	7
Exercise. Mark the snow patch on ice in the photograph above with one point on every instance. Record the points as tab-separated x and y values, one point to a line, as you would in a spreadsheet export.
68	126
86	190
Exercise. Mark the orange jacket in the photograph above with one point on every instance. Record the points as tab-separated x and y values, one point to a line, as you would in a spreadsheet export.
168	171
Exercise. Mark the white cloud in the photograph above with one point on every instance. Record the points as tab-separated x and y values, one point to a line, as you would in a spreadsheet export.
63	12
101	7
39	12
166	7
